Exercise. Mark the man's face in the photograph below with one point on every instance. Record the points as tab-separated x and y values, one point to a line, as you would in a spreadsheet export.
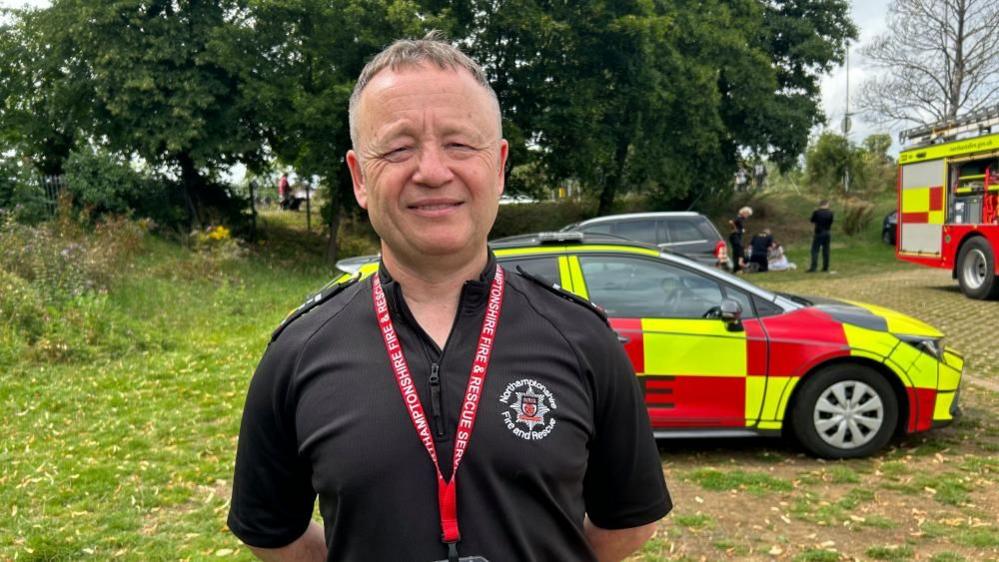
429	162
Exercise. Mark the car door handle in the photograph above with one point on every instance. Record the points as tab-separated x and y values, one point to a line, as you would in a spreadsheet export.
623	339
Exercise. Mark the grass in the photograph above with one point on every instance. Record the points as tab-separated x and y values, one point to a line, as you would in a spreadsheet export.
754	482
893	552
129	453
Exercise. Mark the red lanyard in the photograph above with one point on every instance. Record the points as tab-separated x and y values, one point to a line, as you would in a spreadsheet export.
446	489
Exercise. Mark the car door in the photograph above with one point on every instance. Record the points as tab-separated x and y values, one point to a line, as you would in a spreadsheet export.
695	371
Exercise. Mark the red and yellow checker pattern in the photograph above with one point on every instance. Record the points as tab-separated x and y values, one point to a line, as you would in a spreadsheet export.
696	374
923	205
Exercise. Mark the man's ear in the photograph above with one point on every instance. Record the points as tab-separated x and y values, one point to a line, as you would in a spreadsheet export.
357	178
504	151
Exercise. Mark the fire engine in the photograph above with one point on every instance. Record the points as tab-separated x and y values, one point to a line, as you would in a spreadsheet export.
948	199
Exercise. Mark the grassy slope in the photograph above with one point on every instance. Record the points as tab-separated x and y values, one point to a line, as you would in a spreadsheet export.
130	454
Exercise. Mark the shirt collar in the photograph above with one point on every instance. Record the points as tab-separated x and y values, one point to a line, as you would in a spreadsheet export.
474	293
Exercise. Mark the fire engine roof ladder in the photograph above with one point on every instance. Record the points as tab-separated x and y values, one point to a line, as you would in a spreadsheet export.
979	121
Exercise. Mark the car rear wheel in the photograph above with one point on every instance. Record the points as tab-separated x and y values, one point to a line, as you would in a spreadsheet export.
845	411
976	270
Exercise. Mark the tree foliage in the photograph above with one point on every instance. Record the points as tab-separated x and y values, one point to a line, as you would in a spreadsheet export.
657	96
152	82
297	62
831	156
937	59
660	96
44	89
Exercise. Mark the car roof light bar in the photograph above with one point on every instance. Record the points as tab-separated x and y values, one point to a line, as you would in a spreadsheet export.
559	237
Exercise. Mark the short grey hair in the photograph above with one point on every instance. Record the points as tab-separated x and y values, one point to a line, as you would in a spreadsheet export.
403	53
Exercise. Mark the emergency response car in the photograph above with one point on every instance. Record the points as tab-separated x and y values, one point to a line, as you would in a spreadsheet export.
717	356
948	200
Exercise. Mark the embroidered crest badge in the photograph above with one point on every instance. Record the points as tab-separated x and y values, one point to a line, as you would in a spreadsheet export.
530	406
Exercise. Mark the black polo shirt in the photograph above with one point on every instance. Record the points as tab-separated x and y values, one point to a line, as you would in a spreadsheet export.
324	417
823	219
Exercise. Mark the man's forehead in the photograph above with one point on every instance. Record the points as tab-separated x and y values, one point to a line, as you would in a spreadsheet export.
391	92
423	73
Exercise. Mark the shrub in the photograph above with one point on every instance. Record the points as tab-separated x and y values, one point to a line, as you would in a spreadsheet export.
536	217
105	184
62	260
857	216
21	309
101	180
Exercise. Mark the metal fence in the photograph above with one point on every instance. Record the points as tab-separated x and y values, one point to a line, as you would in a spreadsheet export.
52	186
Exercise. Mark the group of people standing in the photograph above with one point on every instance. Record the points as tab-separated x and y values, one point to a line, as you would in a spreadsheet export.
768	255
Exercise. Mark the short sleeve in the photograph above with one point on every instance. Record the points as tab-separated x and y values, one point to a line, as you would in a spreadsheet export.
272	494
624	485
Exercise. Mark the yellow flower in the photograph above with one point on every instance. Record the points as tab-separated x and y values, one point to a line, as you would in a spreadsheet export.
219	233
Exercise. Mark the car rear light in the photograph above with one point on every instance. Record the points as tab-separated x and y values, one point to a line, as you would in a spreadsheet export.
721	250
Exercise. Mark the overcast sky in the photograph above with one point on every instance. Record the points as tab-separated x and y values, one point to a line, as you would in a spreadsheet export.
870	17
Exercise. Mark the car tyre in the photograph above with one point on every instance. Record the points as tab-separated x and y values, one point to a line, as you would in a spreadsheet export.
845	411
976	272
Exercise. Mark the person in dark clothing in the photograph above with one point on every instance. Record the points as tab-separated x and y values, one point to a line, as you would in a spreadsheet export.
442	387
759	248
738	225
822	218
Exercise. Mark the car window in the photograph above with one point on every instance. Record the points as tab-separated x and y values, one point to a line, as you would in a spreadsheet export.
545	268
641	230
743	300
707	229
634	287
683	230
601	228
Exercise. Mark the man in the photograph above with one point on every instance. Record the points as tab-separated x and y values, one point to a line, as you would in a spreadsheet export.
759	249
444	407
822	218
738	225
284	191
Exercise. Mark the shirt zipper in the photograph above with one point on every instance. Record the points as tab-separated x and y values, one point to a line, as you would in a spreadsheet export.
435	399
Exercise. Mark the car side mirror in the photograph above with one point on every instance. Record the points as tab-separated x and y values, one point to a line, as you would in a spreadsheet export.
730	312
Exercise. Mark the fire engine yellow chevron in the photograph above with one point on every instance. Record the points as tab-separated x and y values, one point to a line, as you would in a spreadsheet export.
690	344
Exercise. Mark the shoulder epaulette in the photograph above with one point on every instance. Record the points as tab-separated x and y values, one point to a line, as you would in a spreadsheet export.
314	300
569	296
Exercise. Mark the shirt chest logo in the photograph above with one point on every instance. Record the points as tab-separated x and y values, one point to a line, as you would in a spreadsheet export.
529	409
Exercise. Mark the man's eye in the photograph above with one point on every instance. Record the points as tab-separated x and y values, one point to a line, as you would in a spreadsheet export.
397	153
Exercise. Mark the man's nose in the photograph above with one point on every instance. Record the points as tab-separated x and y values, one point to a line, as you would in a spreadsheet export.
433	169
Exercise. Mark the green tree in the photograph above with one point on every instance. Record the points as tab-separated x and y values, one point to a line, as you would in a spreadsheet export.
44	89
828	160
154	82
656	95
298	61
831	156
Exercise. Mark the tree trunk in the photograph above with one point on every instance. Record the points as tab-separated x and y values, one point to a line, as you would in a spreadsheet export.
613	182
191	181
338	190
